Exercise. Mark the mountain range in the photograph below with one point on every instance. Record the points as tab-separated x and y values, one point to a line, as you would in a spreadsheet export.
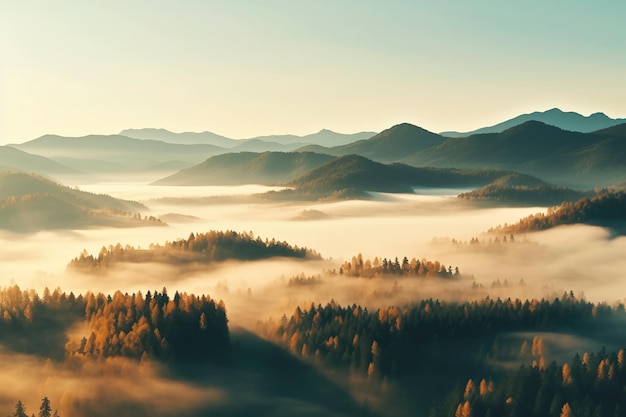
564	157
324	137
571	121
389	145
568	158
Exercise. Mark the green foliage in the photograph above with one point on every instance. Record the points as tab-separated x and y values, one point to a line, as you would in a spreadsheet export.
392	144
588	386
352	175
510	190
536	148
403	336
247	168
212	246
603	209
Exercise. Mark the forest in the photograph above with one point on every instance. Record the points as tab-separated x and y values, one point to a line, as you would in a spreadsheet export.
606	208
587	385
545	195
213	246
426	341
357	267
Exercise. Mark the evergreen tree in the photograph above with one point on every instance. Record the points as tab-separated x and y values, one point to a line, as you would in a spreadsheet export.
20	410
45	410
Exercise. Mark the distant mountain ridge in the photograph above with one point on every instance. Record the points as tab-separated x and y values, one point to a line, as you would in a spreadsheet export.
390	145
571	121
324	137
116	152
15	159
565	157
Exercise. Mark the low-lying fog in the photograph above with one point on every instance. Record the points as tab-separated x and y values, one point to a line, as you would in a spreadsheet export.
580	258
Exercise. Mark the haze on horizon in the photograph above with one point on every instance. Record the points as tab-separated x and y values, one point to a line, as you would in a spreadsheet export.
246	69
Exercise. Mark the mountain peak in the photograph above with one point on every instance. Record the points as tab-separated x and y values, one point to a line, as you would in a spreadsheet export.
570	121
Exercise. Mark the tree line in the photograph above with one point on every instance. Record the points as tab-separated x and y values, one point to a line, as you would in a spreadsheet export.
591	385
603	208
357	267
544	194
185	327
211	246
45	409
386	343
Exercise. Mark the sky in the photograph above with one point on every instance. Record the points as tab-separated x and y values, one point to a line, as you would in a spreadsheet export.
247	68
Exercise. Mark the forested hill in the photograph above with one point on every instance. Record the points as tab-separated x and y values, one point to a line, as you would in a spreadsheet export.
586	159
353	175
178	327
589	385
392	144
428	346
212	246
29	202
513	189
247	168
604	209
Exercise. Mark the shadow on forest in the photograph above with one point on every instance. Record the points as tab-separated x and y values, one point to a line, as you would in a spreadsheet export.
45	337
262	379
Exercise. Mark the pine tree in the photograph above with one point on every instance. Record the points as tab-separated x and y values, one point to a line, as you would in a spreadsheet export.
20	410
45	410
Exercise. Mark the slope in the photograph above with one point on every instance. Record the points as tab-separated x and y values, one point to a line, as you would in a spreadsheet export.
129	153
11	158
391	144
247	168
29	203
606	209
555	117
580	159
353	176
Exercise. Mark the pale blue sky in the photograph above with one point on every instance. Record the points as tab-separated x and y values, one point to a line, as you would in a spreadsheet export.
247	68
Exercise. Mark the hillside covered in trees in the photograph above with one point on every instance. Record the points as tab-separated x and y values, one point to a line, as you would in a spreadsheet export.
352	176
589	385
511	189
213	246
560	156
425	348
184	327
392	342
247	168
29	202
604	209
